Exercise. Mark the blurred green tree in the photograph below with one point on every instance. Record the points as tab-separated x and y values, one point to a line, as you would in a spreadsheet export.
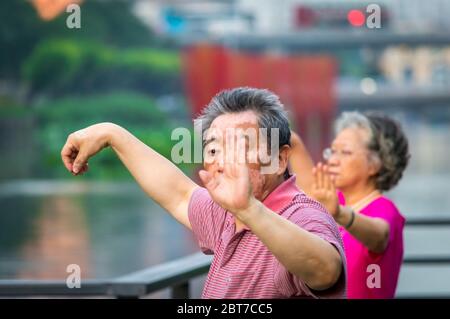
108	22
58	67
57	118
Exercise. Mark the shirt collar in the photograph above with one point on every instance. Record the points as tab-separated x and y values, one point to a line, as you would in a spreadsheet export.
281	196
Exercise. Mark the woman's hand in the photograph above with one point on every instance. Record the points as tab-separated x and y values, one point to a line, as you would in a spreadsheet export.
324	191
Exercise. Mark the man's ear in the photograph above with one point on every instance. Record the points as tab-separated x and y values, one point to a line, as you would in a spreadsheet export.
283	158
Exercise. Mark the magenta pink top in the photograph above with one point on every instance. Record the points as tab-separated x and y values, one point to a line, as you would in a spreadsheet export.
372	275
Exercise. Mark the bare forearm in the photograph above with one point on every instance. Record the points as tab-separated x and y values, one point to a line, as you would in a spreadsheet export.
301	164
157	176
371	232
305	255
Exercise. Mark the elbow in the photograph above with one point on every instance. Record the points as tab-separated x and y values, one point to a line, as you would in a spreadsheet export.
380	244
327	274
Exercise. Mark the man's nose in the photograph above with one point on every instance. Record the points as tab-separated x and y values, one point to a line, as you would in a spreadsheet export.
219	164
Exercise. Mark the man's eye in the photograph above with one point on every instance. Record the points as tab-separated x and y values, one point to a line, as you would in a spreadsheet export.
346	152
212	152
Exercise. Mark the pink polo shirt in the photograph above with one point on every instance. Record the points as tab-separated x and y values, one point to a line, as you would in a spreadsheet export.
372	275
242	266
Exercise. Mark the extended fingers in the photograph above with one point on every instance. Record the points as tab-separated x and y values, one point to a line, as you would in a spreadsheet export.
208	179
332	181
315	185
326	178
320	177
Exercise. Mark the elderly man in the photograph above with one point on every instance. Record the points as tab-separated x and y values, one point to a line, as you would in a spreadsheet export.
268	238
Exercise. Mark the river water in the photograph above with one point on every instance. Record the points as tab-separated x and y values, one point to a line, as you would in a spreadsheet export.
111	229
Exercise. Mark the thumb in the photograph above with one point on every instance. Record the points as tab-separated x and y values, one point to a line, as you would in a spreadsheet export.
79	162
208	180
314	181
333	182
205	177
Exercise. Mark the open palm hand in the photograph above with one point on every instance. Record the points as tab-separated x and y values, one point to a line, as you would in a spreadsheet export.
231	189
323	189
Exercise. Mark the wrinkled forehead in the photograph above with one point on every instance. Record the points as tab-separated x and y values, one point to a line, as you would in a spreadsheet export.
352	136
232	122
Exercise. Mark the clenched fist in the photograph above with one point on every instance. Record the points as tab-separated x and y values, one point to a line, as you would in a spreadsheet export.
83	144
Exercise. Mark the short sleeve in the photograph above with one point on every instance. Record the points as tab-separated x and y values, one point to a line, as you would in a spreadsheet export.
207	219
385	209
321	224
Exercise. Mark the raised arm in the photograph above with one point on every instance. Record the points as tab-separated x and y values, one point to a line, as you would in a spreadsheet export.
301	164
156	175
307	256
372	232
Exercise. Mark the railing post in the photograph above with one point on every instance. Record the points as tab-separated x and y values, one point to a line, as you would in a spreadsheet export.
180	291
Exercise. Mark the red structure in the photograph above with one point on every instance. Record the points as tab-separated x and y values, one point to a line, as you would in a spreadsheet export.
303	82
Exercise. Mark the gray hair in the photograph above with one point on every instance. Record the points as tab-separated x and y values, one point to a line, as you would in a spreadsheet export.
267	106
386	142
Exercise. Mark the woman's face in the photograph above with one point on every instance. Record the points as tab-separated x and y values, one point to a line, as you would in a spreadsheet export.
349	161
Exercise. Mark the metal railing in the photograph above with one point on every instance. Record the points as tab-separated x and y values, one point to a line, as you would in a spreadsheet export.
175	275
433	222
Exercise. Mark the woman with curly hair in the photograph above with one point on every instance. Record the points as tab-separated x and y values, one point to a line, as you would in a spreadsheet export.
366	158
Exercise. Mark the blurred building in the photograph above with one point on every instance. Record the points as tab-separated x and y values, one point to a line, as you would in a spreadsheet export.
215	17
398	65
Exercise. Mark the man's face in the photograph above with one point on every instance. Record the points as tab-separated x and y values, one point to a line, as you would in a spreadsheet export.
222	141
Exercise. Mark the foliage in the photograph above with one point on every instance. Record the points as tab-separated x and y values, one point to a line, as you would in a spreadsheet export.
138	113
59	67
